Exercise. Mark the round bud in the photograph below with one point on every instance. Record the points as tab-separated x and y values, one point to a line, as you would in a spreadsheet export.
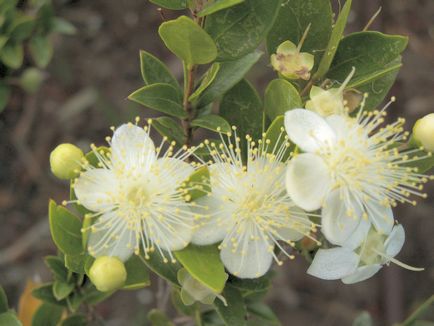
423	132
65	161
108	273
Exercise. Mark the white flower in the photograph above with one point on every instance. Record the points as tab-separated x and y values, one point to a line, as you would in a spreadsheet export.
352	266
352	169
135	196
248	209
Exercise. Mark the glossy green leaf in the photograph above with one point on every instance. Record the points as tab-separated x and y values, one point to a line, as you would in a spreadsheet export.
206	81
4	96
137	274
160	97
188	41
47	315
75	320
235	312
57	267
171	4
65	229
155	71
4	306
204	264
217	5
75	263
212	122
41	50
168	127
12	55
158	318
264	312
423	165
45	293
239	30
280	96
293	19
168	270
9	319
335	38
61	289
229	74
198	183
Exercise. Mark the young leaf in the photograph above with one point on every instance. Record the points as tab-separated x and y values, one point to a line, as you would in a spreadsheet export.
229	74
293	19
204	264
235	311
168	127
160	97
4	306
212	122
47	315
41	50
61	289
280	96
171	4
55	264
335	38
217	5
154	71
137	274
168	271
238	30
188	41
206	81
9	319
65	229
12	55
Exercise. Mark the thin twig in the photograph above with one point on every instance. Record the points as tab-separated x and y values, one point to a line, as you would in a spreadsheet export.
372	20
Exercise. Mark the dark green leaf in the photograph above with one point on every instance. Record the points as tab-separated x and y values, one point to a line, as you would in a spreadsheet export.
229	74
168	127
4	306
160	97
75	263
92	296
240	29
47	315
198	183
206	81
253	285
158	318
235	312
217	5
204	264
171	4
335	38
280	96
166	270
65	229
61	289
75	320
41	50
57	267
154	71
45	293
22	28
12	55
9	319
188	41
137	274
4	96
292	21
264	312
212	122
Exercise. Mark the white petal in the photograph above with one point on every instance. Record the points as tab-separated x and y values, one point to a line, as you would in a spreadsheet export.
337	225
170	173
339	124
333	264
307	181
359	235
224	178
132	150
111	237
212	227
255	261
95	189
362	273
381	216
297	227
395	241
308	130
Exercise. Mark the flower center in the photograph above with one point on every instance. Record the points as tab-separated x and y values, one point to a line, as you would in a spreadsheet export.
137	197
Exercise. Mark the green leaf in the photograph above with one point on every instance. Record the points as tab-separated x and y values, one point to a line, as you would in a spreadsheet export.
198	183
206	81
217	5
276	134
62	26
65	229
229	74
47	315
280	96
154	71
335	38
31	79
57	267
235	312
92	296
363	319
180	307
212	122
252	285
168	270
45	293
171	4
423	165
61	289
137	274
188	41
4	96
9	319
75	263
41	50
240	29
75	320
160	97
12	55
264	312
22	28
4	306
292	21
168	127
158	318
204	264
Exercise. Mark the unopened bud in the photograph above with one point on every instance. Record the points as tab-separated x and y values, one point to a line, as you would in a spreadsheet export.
108	273
423	132
326	102
65	161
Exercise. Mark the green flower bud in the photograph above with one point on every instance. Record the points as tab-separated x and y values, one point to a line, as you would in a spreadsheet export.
108	273
423	132
65	161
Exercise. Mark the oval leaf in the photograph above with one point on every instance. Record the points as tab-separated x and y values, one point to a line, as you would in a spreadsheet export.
206	81
212	122
167	127
217	5
280	96
137	274
234	313
154	71
47	315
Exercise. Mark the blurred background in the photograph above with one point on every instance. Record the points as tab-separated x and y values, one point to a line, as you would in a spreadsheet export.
85	92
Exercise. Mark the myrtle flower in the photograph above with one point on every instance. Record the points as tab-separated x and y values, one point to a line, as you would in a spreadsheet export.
135	196
353	169
352	266
248	209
